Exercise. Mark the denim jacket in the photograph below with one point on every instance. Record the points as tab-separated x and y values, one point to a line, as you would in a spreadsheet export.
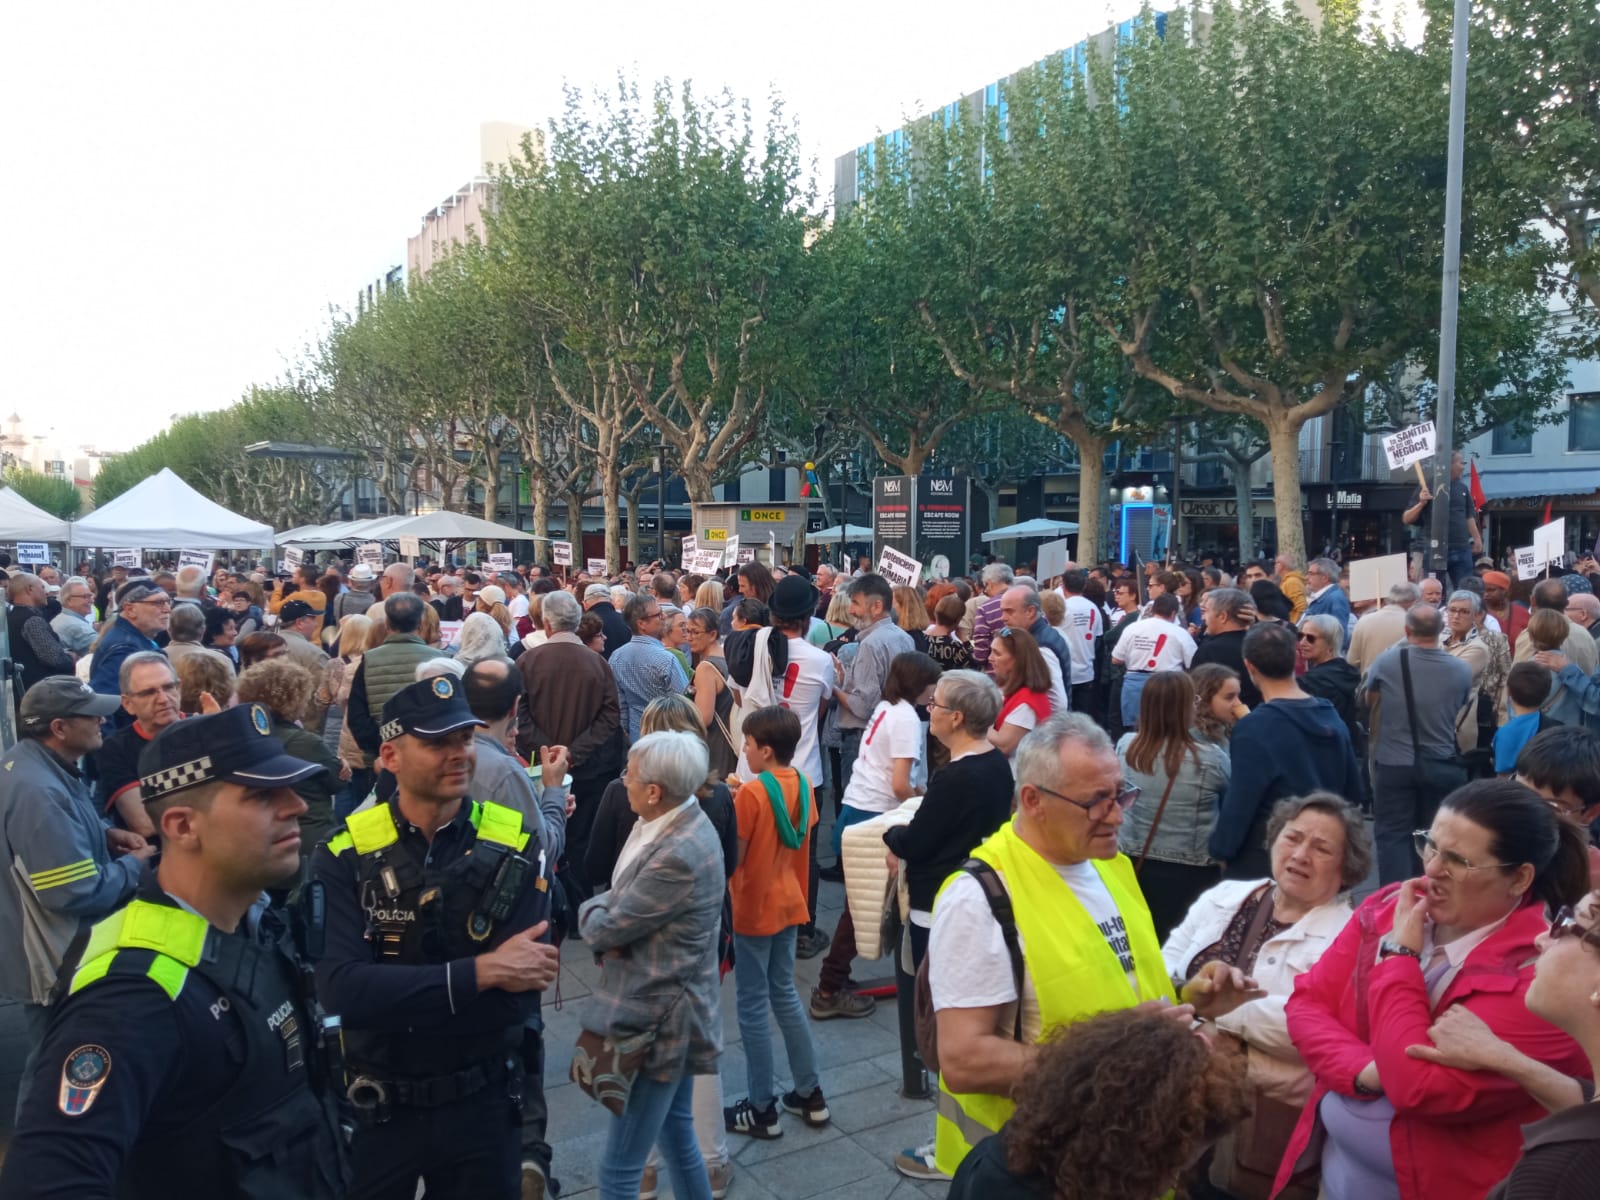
1191	812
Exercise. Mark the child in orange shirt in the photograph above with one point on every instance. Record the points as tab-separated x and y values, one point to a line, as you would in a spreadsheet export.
776	813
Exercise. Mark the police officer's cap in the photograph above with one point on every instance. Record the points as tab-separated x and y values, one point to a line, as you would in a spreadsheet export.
429	709
235	746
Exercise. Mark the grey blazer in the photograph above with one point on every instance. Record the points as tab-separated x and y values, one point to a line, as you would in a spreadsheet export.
657	931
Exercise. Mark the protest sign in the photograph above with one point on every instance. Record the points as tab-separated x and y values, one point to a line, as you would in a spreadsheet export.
33	552
371	553
688	546
293	556
449	633
746	554
561	553
1409	445
195	558
901	570
500	564
1550	542
1052	560
1371	578
596	566
704	562
410	547
730	551
125	558
1527	563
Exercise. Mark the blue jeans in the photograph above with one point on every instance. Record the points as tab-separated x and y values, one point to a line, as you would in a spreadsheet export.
763	975
662	1110
1132	688
1459	564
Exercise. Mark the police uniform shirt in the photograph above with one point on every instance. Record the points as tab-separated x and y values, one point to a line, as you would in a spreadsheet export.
120	1063
438	999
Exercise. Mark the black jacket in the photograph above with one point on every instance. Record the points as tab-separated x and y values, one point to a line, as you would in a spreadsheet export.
617	632
1336	681
36	647
967	801
1228	650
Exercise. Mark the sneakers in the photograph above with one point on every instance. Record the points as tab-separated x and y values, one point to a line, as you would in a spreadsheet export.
832	873
751	1121
721	1177
918	1163
840	1004
809	945
812	1109
649	1189
533	1183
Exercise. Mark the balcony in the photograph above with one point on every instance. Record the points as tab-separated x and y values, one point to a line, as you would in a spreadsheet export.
1337	463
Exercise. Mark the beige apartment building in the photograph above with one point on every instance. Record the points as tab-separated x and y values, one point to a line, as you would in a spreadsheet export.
460	215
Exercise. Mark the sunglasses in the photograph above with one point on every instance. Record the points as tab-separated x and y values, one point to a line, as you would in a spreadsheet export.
1308	637
1566	924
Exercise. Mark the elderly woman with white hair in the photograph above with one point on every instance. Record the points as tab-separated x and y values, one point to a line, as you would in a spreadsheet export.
1329	674
481	638
1462	640
656	934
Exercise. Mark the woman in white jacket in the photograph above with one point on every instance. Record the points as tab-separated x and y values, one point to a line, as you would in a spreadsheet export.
1274	929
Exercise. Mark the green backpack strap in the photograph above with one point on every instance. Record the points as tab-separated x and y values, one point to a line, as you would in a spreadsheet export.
791	837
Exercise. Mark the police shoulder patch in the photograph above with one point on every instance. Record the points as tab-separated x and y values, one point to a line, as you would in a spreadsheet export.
82	1076
443	688
260	719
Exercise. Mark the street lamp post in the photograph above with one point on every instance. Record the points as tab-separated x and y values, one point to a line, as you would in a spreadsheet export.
661	500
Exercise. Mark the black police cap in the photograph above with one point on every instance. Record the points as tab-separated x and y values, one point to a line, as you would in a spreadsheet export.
235	746
428	709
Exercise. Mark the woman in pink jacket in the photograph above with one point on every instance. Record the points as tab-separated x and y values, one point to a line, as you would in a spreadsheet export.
1380	1124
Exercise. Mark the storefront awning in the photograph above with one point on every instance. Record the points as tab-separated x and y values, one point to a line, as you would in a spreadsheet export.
1514	485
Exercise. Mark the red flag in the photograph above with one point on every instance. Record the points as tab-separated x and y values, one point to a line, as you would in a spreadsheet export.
1546	520
1478	498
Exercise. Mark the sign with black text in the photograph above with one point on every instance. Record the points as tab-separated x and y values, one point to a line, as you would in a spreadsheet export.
33	552
371	553
500	564
125	558
901	570
893	498
561	553
944	518
596	566
293	556
1409	445
195	558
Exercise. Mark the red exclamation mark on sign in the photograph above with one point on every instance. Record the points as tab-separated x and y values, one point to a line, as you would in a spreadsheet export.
791	675
1154	654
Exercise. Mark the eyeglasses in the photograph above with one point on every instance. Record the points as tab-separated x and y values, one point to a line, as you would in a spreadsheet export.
1095	810
936	704
1308	637
170	689
1566	923
1427	849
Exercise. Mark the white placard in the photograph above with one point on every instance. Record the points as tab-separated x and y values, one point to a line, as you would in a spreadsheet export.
283	567
1371	578
703	562
1550	542
449	633
410	547
33	552
595	566
500	564
746	554
371	553
195	558
125	558
293	556
1409	445
1527	562
730	552
689	545
1052	560
901	570
561	553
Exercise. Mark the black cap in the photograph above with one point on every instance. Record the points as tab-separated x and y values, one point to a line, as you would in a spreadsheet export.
429	709
294	610
63	696
235	746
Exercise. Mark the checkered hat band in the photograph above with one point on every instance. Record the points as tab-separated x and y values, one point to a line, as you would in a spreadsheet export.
390	730
173	778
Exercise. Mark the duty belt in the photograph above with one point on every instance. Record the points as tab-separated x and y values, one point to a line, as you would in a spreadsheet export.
373	1098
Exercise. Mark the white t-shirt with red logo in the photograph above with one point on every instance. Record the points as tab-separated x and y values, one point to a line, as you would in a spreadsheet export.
1154	644
893	731
1083	624
801	688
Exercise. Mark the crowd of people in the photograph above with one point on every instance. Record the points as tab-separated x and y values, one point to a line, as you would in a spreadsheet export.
1297	889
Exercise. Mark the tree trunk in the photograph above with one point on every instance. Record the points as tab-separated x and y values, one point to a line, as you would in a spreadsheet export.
539	494
631	538
1091	496
1283	440
1244	501
491	483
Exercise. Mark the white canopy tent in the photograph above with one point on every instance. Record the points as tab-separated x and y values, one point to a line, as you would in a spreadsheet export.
852	533
1039	527
425	527
23	521
163	511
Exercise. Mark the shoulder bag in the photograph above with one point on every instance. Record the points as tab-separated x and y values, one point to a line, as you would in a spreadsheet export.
1437	777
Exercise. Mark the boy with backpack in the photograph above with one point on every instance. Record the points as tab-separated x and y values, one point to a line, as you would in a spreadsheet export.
776	814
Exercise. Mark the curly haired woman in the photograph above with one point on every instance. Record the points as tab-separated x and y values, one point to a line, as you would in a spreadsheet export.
1102	1066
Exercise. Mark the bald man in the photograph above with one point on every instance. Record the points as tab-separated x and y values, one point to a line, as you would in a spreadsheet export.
1583	610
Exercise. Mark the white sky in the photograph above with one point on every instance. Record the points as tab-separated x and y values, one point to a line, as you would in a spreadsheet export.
192	185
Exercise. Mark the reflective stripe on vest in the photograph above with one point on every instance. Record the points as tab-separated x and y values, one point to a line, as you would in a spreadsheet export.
499	824
371	830
176	936
1065	948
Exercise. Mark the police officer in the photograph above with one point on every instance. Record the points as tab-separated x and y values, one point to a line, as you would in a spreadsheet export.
437	905
182	1059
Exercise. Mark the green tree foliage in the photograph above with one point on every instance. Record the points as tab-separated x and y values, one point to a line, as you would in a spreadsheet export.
58	497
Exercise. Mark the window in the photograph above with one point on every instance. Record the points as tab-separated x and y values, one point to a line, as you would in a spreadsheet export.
1583	421
1508	439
